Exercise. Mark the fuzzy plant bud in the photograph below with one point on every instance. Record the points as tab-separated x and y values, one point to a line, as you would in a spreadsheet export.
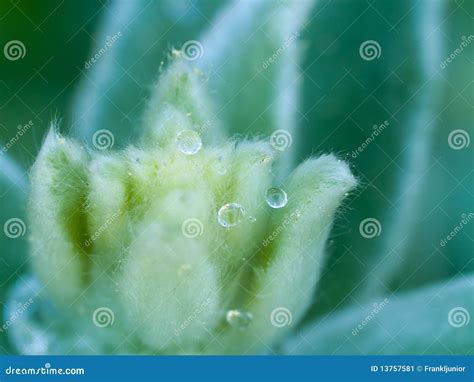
185	242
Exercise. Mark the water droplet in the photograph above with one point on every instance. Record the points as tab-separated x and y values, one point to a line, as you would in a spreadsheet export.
238	318
230	215
220	169
252	219
276	197
188	142
184	270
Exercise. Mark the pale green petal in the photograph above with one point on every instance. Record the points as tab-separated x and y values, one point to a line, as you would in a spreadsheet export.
169	288
246	183
57	218
180	102
281	278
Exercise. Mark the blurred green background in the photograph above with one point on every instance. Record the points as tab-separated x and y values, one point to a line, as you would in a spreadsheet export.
343	97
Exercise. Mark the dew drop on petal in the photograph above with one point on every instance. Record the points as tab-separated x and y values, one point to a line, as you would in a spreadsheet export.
220	169
276	197
230	214
252	219
238	318
188	142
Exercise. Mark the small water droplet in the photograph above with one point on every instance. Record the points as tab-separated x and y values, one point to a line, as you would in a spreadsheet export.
188	142
238	318
184	270
230	214
220	169
276	197
252	219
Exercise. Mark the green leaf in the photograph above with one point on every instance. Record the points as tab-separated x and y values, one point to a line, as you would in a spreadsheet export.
252	57
431	320
403	90
15	229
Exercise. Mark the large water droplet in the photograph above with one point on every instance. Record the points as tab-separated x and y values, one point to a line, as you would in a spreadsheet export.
276	197
188	142
238	318
230	214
